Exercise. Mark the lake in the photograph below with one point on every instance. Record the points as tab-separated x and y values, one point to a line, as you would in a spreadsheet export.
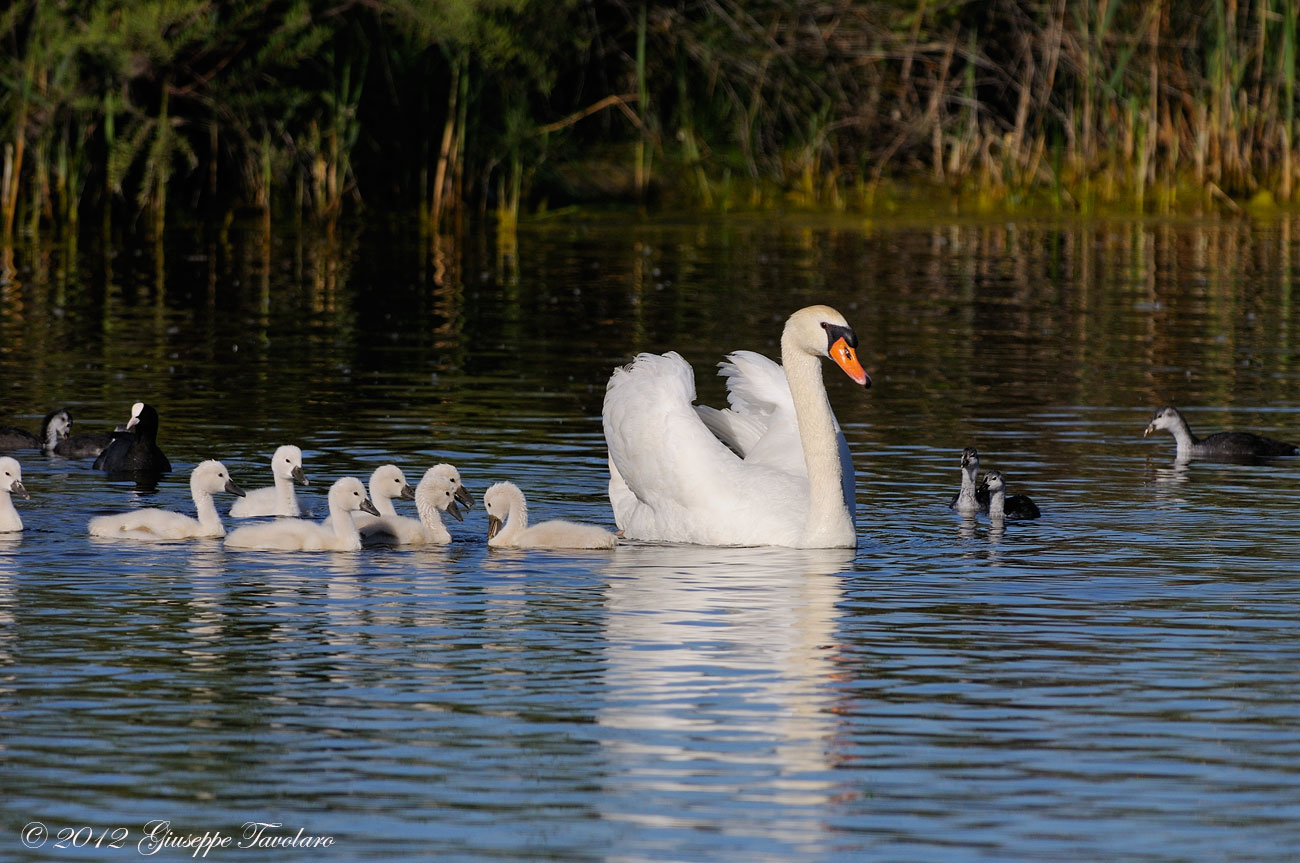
1118	680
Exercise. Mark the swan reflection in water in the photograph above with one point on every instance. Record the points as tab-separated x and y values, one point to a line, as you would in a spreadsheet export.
719	681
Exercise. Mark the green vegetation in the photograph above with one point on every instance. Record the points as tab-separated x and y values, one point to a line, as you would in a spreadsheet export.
151	109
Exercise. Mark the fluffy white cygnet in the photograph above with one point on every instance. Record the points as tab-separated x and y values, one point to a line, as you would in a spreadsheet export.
279	499
508	525
11	482
335	533
207	479
386	483
439	491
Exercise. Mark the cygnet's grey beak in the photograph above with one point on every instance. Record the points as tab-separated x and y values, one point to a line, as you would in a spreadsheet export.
17	487
300	477
367	506
494	526
407	493
464	498
232	488
455	511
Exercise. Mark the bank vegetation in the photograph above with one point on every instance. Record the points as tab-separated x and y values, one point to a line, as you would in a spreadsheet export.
127	114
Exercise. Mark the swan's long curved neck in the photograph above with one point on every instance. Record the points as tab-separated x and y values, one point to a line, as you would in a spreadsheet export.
516	520
284	493
829	521
206	508
9	519
340	521
384	504
430	515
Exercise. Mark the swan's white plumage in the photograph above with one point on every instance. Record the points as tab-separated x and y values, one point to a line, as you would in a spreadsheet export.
437	492
508	525
206	479
335	533
11	483
672	477
386	484
279	499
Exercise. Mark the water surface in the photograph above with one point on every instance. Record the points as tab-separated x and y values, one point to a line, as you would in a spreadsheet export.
1115	681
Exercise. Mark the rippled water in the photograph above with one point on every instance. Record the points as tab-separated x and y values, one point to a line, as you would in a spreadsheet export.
1116	681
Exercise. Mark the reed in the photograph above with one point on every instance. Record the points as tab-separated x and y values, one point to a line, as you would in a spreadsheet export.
139	110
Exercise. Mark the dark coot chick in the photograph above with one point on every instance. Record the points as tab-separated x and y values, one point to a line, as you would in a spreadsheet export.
52	429
1017	506
81	445
1231	444
970	498
135	452
12	438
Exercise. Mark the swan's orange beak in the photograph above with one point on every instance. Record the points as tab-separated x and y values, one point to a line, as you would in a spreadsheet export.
847	359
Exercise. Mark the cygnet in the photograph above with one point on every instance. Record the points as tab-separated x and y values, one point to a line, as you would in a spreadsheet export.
335	533
508	525
206	480
11	483
281	498
386	484
439	491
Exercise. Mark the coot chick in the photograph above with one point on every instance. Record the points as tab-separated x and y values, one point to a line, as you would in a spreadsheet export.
1230	444
12	438
1016	506
60	442
970	498
136	450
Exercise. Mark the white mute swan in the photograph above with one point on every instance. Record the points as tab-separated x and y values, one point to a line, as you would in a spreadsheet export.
11	482
773	469
336	533
279	499
439	491
508	525
205	480
386	483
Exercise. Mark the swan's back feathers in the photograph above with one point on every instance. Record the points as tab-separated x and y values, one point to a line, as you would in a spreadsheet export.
291	534
267	501
336	533
395	530
153	524
566	534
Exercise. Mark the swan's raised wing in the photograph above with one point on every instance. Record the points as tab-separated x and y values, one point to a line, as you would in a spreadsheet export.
761	425
671	478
